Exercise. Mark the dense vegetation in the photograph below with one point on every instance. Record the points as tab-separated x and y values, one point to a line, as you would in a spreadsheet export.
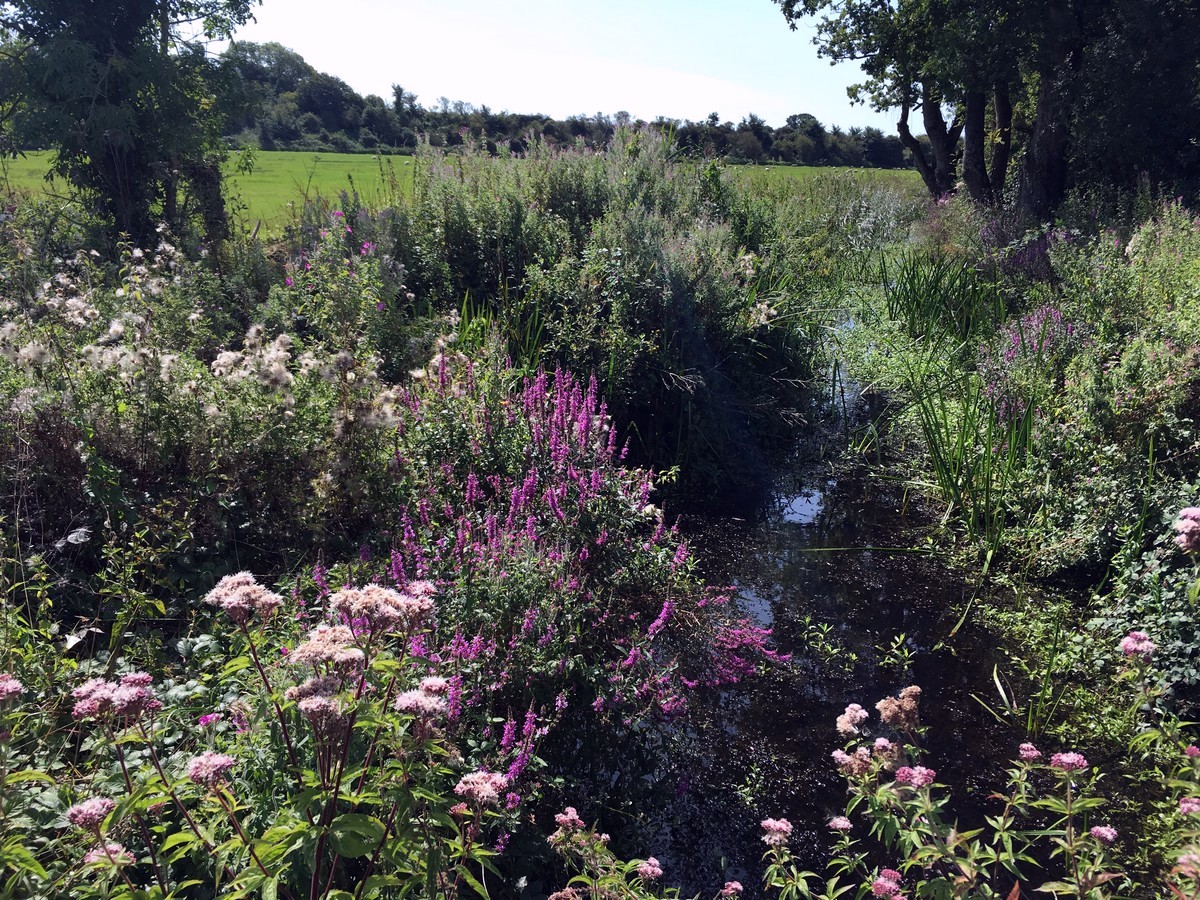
346	565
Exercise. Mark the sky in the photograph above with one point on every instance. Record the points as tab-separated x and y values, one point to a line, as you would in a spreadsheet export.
682	59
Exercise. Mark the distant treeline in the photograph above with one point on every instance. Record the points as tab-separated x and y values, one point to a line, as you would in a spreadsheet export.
275	100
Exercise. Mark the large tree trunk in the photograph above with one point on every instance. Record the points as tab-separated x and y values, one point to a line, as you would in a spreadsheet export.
937	173
1044	172
974	167
1002	148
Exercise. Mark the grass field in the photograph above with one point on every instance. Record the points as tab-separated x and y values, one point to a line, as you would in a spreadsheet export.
280	180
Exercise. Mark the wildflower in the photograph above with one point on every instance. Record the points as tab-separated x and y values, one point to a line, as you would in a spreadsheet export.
1029	753
435	685
1188	528
916	776
1069	762
460	810
901	713
1189	805
882	745
325	644
113	854
776	832
731	889
322	711
1138	643
569	819
240	595
1192	751
482	787
650	870
848	721
840	823
858	763
886	884
1105	834
209	768
10	688
565	894
421	704
209	719
90	813
314	686
94	698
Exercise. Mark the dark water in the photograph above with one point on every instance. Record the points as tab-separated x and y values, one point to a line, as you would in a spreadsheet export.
829	565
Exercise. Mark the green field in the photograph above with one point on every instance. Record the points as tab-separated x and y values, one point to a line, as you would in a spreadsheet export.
275	189
277	185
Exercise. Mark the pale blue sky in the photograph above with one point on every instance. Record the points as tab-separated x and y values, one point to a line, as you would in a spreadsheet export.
677	58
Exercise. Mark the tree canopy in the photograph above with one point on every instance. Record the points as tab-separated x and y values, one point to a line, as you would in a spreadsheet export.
1085	88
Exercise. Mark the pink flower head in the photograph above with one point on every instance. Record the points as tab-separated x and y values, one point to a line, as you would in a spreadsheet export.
209	768
776	832
650	870
1138	643
886	884
1192	751
569	820
839	823
1189	805
1187	528
10	688
1105	834
731	889
239	596
482	787
916	776
1069	762
421	704
882	745
1029	753
111	854
208	719
848	721
89	814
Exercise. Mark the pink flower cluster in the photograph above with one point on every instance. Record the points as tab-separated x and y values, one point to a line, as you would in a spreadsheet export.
111	853
10	688
1138	643
1105	834
650	870
385	609
887	884
1030	753
855	764
209	768
1069	762
731	889
1187	528
915	776
240	596
424	703
1189	805
839	823
482	787
776	832
130	698
848	721
329	644
568	819
89	814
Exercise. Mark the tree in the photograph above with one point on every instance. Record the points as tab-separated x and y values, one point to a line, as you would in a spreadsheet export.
125	96
973	69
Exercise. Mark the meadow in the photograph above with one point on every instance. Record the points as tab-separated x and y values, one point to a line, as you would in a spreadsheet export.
279	182
349	563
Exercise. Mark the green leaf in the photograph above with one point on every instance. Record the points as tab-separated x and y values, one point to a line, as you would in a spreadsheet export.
354	834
